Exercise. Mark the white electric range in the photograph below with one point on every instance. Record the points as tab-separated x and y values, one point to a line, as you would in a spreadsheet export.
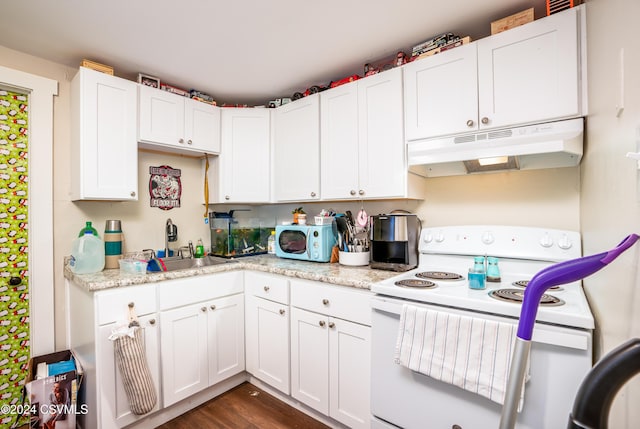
561	353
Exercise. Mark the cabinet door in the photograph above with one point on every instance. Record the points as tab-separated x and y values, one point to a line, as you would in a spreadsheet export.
161	116
310	359
104	109
441	95
296	161
114	405
225	333
184	352
339	142
349	369
201	126
267	340
530	73
244	161
382	162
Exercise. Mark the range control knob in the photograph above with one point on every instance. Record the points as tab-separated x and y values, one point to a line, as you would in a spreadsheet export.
487	237
439	237
546	240
564	243
428	238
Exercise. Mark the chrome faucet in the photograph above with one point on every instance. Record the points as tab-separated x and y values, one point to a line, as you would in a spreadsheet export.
171	234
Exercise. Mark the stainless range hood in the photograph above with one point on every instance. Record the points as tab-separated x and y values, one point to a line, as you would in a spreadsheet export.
548	145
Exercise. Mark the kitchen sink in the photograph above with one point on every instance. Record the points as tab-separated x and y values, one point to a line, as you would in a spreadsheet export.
173	264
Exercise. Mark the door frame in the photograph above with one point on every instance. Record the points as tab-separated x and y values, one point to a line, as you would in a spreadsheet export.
41	274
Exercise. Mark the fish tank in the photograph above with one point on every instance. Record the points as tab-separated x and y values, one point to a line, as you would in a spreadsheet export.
231	238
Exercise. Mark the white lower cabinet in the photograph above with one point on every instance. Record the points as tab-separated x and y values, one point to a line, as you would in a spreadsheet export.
202	337
330	355
267	329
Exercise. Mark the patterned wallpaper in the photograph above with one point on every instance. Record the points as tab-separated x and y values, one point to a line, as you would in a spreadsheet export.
14	296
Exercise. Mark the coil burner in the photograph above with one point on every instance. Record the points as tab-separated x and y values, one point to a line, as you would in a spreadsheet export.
517	296
416	283
524	283
439	275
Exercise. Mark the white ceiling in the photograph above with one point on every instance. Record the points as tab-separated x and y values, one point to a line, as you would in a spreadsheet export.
240	51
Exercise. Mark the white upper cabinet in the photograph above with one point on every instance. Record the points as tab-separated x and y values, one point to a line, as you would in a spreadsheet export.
104	151
296	162
174	123
245	159
529	74
362	141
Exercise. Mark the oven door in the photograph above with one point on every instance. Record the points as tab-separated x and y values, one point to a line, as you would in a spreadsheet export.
560	358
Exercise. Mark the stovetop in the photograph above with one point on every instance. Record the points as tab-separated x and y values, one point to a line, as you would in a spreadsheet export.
522	252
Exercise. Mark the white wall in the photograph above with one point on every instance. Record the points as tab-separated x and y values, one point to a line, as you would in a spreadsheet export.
610	192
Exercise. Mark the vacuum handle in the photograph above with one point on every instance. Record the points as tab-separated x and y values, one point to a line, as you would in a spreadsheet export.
598	389
562	273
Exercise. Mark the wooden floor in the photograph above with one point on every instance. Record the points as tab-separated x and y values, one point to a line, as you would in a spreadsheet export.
244	407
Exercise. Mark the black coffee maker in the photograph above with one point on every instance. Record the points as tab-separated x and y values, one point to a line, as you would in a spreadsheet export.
394	241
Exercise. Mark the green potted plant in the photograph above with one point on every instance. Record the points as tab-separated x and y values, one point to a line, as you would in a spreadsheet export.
299	216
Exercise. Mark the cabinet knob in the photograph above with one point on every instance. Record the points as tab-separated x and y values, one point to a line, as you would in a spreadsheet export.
227	197
266	288
352	192
325	301
282	311
313	194
361	192
213	307
152	322
181	141
470	123
203	309
484	120
456	427
133	193
332	325
321	323
189	142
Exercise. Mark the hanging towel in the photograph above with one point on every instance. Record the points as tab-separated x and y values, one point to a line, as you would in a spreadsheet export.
471	353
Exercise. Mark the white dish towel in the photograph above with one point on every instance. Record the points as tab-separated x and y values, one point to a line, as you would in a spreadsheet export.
471	353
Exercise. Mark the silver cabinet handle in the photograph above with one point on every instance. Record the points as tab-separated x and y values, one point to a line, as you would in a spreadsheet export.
189	142
321	323
282	311
313	194
181	141
325	301
361	192
352	192
213	307
227	197
332	325
266	288
152	322
203	309
470	123
485	120
133	193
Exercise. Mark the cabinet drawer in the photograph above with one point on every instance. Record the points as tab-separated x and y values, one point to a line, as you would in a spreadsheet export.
338	301
113	305
176	293
267	286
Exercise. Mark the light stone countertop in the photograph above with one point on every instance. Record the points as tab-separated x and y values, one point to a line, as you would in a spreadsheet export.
358	277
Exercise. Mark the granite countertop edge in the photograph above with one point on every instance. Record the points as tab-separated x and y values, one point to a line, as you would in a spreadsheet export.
332	273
